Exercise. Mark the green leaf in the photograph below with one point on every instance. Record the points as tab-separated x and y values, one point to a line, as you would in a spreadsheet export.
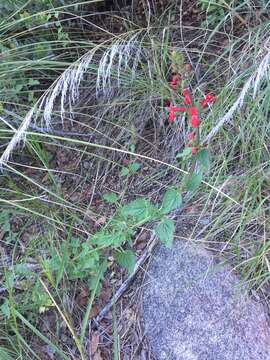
185	153
193	181
110	197
124	171
203	157
172	200
139	210
107	239
127	259
135	166
165	230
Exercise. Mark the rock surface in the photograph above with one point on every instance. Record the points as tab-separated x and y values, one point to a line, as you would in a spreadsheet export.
194	309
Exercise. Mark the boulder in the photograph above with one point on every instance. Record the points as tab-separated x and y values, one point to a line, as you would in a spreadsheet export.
194	308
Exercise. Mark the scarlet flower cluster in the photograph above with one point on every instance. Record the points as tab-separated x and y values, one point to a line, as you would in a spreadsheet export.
190	107
193	110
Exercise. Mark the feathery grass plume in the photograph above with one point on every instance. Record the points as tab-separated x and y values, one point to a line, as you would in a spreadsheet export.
124	55
19	136
253	81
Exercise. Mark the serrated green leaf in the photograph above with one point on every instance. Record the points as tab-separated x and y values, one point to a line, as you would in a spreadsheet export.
165	230
172	200
110	197
185	153
124	171
135	166
127	259
109	239
203	157
193	181
139	210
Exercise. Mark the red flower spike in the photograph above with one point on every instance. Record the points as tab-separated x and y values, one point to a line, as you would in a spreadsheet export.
191	136
194	150
187	97
195	121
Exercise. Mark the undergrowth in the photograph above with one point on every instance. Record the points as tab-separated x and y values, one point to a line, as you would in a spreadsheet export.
101	163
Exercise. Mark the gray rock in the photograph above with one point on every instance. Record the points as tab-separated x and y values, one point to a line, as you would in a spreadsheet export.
195	309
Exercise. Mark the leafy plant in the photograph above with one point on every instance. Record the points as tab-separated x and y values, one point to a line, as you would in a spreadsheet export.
130	169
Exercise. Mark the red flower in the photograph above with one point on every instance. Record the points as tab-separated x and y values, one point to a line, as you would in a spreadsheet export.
191	136
195	121
194	150
187	97
209	99
173	109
